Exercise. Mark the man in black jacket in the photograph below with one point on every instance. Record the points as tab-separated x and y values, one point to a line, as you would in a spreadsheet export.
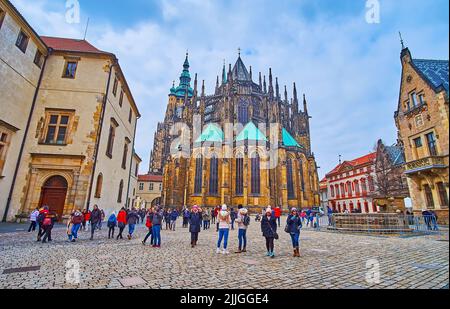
96	217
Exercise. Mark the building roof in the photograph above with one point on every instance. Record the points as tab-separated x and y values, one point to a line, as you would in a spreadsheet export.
288	140
212	133
434	71
240	72
150	177
251	133
369	158
73	45
396	155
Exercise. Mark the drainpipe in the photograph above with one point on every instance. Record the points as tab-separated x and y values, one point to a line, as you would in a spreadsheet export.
22	146
131	164
99	135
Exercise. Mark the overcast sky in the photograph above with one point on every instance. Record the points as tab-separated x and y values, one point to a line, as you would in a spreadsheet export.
349	69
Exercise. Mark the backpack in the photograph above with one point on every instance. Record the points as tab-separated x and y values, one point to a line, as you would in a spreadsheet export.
148	222
47	221
246	220
77	219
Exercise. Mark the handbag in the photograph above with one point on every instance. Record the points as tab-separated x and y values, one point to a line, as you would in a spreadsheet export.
275	234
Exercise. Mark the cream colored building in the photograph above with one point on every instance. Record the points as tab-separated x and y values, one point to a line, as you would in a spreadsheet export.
78	150
133	186
422	120
149	191
22	57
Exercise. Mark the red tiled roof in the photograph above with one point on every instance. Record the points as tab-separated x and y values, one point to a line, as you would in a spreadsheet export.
356	162
150	177
74	45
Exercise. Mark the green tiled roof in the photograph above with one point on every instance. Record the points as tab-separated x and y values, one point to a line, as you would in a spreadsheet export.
212	133
252	133
288	140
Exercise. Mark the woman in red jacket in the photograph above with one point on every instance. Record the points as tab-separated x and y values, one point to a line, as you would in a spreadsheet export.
121	221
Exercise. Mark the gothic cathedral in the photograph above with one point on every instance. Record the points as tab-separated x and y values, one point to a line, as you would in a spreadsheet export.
244	144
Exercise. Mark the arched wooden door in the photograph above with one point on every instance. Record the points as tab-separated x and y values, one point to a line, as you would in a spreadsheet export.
53	194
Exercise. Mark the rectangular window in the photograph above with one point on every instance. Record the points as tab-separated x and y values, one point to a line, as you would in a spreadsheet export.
141	186
442	194
2	17
4	143
22	41
414	99
422	99
111	137
431	140
115	86
70	69
160	187
125	154
57	127
429	196
151	186
408	106
418	142
38	59
121	98
130	116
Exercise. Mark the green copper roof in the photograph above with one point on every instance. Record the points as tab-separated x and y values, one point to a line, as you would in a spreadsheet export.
288	140
211	133
251	132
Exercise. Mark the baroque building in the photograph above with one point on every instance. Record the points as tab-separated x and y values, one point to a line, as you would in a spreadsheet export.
247	143
70	121
422	120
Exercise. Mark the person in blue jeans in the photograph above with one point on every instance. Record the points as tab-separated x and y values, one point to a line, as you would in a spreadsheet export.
294	224
76	220
243	220
132	219
156	228
223	221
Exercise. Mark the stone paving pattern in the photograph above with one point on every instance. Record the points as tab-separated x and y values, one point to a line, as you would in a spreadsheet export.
328	260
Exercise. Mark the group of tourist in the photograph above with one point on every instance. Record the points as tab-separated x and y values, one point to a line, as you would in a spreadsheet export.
194	218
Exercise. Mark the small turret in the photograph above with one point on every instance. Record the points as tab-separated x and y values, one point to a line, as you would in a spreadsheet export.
295	102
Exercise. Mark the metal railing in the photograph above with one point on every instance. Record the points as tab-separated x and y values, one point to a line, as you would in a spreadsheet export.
376	223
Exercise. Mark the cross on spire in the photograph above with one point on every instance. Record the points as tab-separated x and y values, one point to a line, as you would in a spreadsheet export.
401	40
239	51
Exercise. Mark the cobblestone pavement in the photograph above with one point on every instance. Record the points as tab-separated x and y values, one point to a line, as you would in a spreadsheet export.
328	260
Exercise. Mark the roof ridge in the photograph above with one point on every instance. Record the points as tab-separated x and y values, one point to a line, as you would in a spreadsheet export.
437	60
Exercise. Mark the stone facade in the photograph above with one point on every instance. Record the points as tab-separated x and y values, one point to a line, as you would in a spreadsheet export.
20	70
149	190
78	150
133	199
244	144
422	120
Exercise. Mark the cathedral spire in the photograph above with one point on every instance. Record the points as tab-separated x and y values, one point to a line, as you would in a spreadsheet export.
224	74
195	85
285	95
203	88
277	88
260	81
305	105
295	102
185	81
265	84
251	73
270	83
217	84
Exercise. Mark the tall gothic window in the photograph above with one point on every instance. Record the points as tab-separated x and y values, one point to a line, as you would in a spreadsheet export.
290	179
243	114
239	176
98	188
256	175
214	176
442	194
429	196
300	170
198	175
119	196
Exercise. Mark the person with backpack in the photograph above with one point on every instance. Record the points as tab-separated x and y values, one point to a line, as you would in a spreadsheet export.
223	224
121	222
33	220
132	219
148	224
76	218
243	221
111	224
293	226
40	220
156	228
49	221
173	219
269	231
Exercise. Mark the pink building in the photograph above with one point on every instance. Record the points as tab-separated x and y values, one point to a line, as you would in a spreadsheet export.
350	185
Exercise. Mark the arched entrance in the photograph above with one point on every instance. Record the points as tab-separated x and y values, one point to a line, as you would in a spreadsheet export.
53	194
156	201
